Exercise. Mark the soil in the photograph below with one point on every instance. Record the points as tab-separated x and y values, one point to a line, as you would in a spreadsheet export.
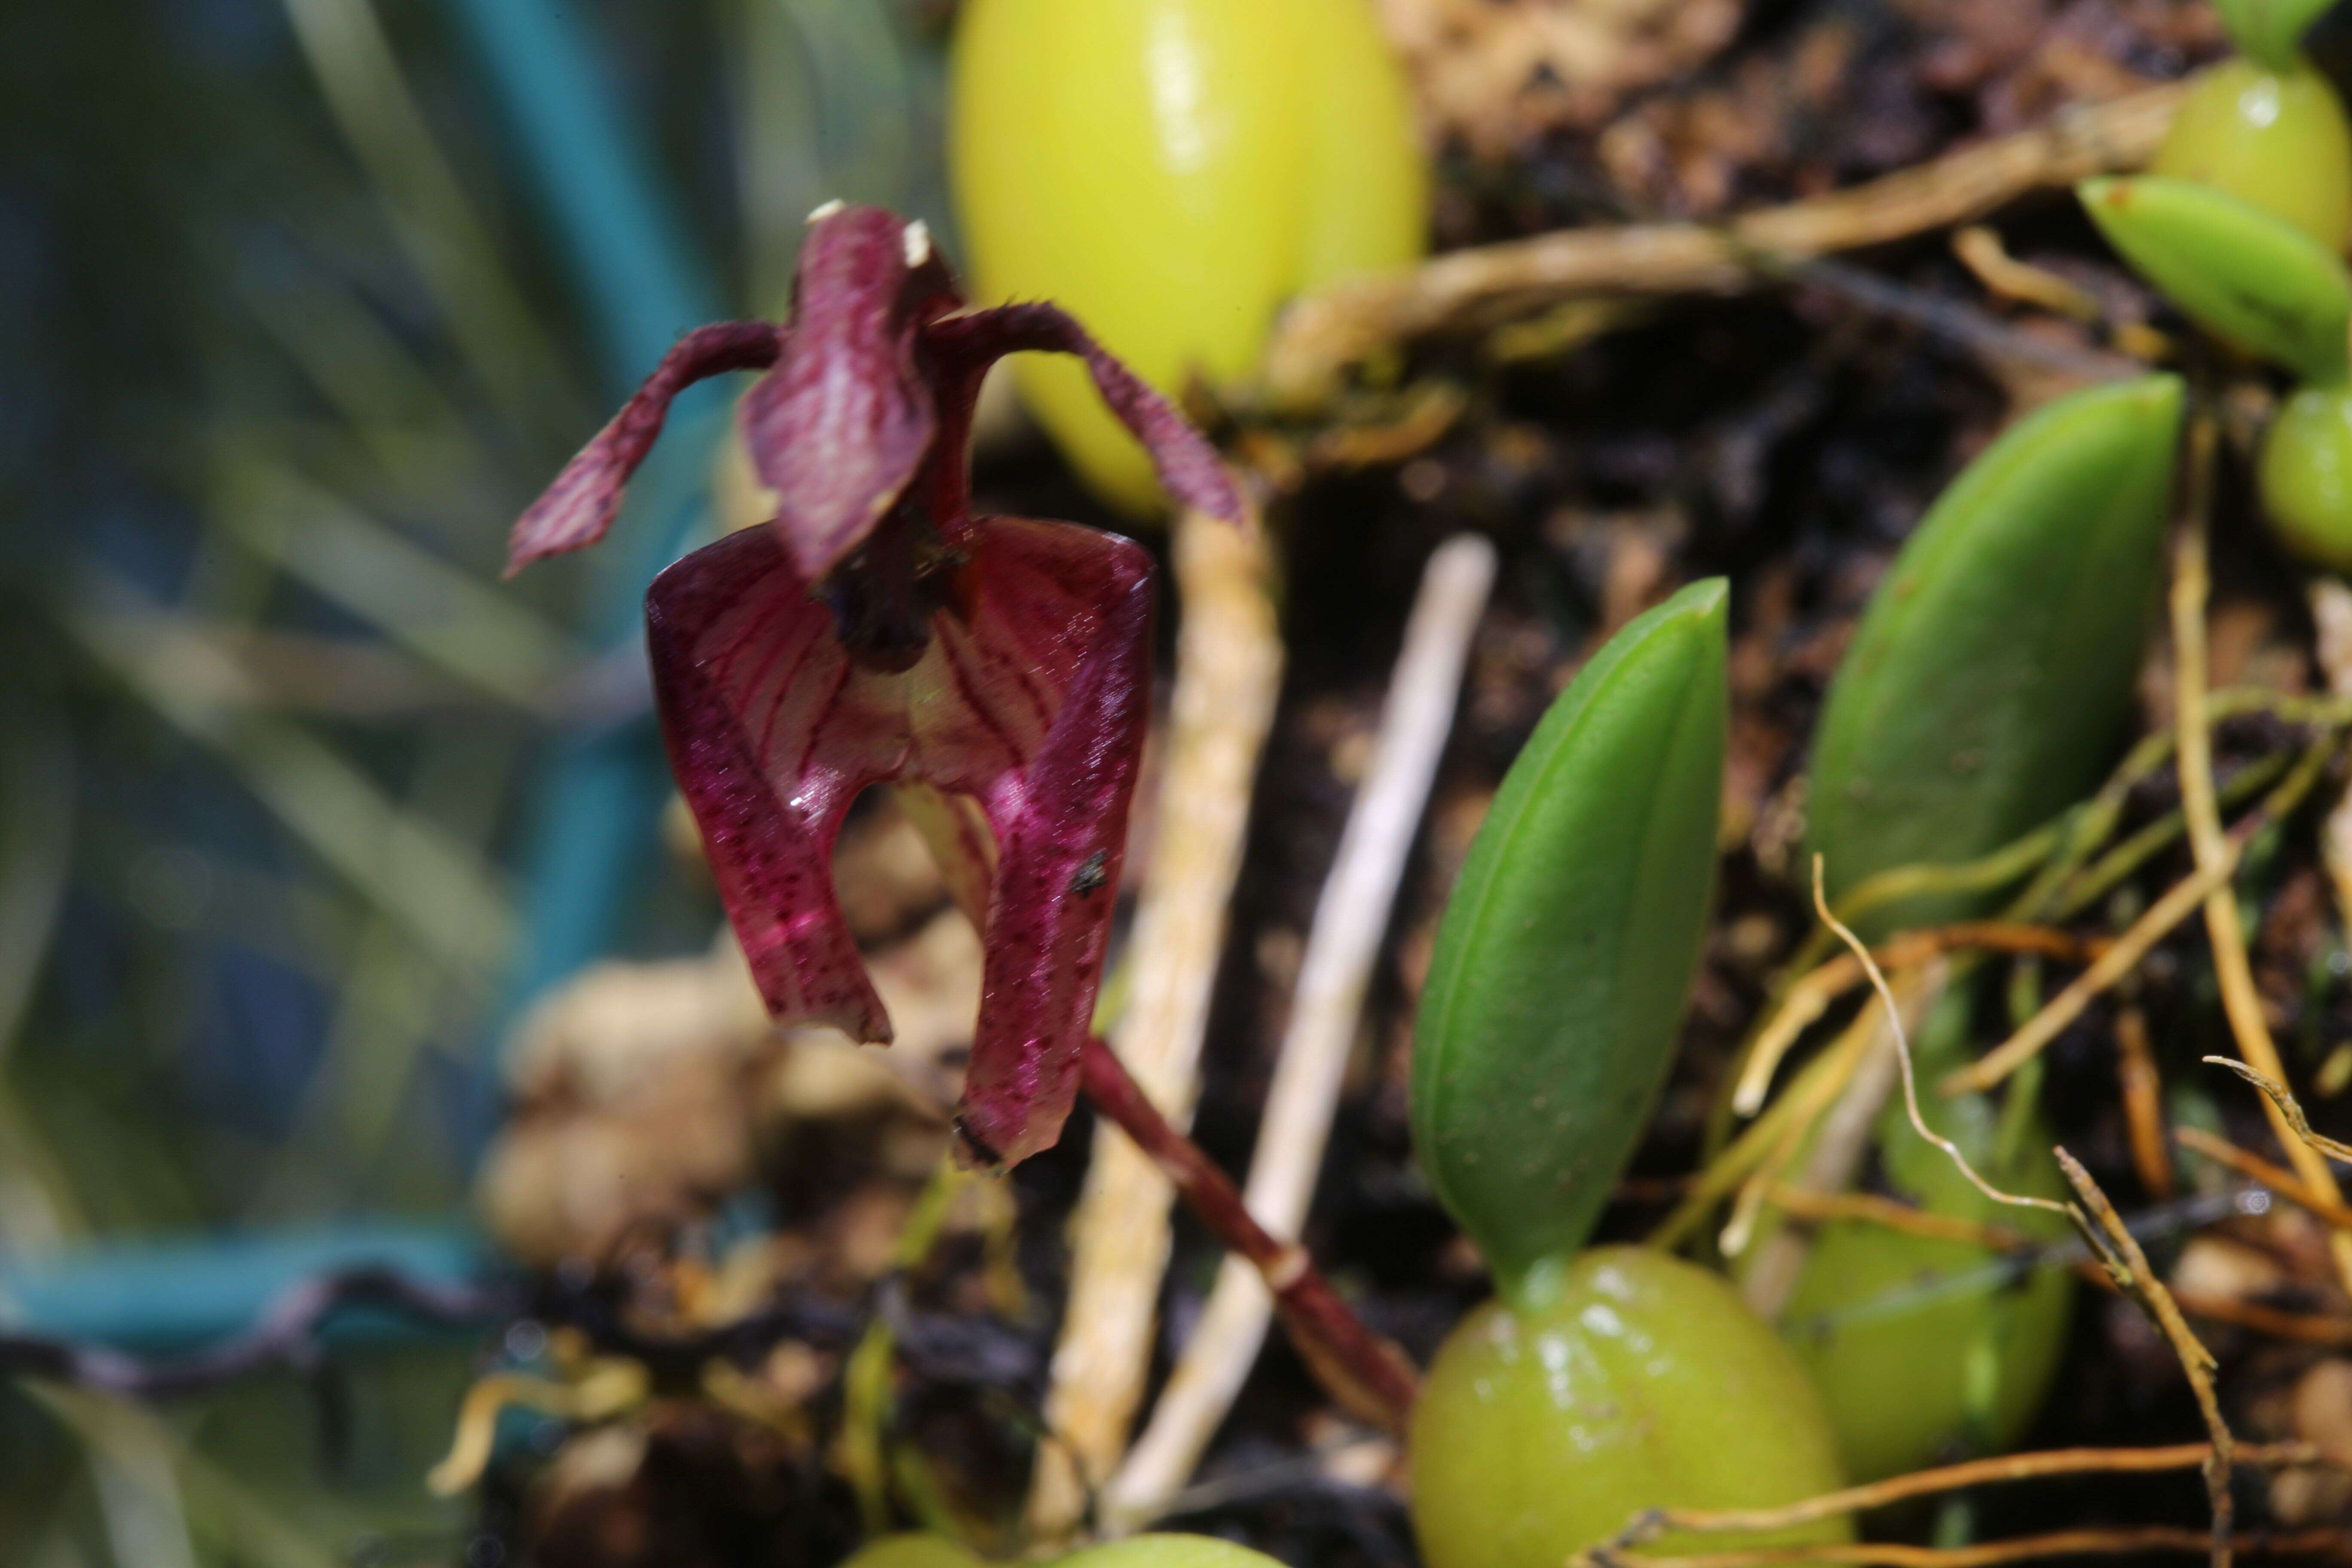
1789	440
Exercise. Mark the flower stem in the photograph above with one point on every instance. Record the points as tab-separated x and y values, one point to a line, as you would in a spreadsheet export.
1365	1372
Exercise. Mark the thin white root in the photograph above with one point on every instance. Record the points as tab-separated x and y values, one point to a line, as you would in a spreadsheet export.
1910	1076
1350	917
1228	673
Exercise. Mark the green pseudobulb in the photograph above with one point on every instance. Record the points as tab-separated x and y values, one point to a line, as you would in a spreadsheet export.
1168	1552
2277	139
1172	172
1925	1349
1629	1380
912	1549
2304	475
917	1551
1596	1383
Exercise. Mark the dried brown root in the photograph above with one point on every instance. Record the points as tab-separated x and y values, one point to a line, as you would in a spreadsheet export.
2254	1168
1997	1471
2142	1092
1326	333
2129	1266
2123	1542
2194	752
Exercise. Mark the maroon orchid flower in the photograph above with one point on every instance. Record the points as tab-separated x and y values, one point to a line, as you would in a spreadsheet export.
878	632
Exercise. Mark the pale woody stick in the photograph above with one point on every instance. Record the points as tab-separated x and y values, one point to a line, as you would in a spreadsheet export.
1228	673
1350	917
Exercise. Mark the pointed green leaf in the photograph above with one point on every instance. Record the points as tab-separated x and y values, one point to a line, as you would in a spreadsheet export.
1990	684
2245	275
1566	950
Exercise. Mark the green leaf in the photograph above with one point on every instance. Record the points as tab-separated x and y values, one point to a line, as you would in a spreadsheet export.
2270	30
1567	949
2247	275
1990	684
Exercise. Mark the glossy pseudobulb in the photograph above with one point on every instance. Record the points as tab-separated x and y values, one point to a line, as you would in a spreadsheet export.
912	1549
1168	1552
1172	171
1627	1379
2306	476
1924	1349
2277	139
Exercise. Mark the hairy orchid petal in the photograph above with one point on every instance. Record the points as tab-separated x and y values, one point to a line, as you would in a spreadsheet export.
955	830
843	424
1031	697
578	508
967	344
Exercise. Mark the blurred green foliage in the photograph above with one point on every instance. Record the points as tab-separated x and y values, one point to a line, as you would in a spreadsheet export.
287	350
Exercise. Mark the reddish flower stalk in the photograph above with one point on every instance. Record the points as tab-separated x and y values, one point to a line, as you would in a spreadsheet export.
1365	1372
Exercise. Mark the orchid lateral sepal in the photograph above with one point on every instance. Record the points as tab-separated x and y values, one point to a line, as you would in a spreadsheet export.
578	508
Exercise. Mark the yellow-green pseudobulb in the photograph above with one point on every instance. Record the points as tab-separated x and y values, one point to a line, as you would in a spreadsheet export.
1168	1552
917	1551
1925	1349
1171	171
912	1549
2277	140
2306	476
1625	1380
